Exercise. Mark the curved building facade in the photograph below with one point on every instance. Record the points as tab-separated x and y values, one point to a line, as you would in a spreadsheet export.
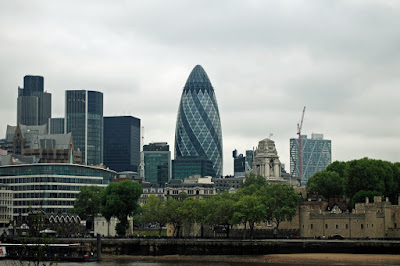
51	187
198	126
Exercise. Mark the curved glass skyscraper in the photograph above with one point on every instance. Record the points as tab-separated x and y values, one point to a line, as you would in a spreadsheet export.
198	126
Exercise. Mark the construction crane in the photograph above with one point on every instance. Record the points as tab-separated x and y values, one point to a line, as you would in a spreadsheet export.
299	126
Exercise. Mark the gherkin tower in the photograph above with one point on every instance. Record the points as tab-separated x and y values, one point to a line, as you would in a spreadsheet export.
198	126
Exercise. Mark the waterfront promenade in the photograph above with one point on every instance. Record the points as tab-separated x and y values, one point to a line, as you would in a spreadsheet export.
158	247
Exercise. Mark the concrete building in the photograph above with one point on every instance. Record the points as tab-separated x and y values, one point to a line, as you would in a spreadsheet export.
122	143
228	183
193	186
50	187
157	163
151	189
6	206
316	156
33	104
84	119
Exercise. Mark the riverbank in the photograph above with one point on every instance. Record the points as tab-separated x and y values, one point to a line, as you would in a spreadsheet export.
287	259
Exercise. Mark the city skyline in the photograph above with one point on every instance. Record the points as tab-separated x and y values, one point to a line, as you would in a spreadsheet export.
266	60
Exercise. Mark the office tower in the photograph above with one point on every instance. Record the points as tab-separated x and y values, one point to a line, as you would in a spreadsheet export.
157	163
33	104
84	119
56	125
316	156
242	164
186	166
198	126
122	143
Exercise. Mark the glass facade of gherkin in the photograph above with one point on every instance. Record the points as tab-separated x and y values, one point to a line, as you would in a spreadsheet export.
198	125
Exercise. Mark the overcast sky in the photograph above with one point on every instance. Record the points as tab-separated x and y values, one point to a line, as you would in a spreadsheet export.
265	59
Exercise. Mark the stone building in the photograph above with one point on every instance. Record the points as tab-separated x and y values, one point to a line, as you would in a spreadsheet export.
34	141
379	219
266	161
192	186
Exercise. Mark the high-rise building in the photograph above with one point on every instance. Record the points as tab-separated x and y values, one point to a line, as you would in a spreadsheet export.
316	156
33	104
157	163
84	119
198	126
122	143
184	167
56	125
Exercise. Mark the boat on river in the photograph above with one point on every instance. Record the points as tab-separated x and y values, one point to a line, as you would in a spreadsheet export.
47	252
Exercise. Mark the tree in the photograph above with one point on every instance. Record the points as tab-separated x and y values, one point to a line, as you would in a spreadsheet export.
252	178
154	211
221	211
367	174
338	167
326	183
173	216
249	209
280	201
360	196
120	200
87	203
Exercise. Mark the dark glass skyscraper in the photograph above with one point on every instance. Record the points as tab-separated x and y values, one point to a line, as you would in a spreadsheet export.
157	163
33	104
198	126
122	143
56	125
84	119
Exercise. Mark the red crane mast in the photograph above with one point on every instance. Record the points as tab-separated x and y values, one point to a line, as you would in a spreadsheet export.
299	126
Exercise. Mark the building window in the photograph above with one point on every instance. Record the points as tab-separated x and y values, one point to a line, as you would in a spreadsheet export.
312	226
326	226
269	223
337	226
362	226
347	226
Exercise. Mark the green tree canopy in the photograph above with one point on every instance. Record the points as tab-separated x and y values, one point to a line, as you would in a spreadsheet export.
120	200
87	203
369	175
252	178
221	212
280	201
249	209
360	196
326	183
155	212
338	167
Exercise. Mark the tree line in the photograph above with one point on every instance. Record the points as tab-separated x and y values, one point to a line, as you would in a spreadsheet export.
255	202
357	179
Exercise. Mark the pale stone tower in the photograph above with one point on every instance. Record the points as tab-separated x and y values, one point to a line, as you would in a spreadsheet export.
266	161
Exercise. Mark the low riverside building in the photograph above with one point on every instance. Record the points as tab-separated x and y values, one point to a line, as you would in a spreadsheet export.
192	186
50	187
